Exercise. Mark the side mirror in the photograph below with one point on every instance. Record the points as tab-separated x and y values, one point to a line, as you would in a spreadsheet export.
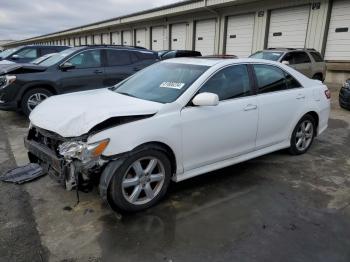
285	62
15	57
206	99
66	66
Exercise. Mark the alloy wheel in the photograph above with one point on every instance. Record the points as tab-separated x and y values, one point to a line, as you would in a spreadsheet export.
304	135
35	99
143	180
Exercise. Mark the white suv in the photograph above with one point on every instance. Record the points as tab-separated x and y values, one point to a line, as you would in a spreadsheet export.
172	121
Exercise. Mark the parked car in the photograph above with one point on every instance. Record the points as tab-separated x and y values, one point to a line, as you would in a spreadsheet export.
24	86
307	61
344	95
26	54
176	119
35	62
167	54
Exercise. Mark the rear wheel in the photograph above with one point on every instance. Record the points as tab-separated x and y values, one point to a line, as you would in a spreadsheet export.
141	181
303	135
32	98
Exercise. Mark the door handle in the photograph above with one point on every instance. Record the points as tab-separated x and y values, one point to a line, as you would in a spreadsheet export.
300	96
250	107
98	71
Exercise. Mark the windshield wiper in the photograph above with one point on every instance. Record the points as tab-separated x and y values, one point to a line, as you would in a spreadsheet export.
126	94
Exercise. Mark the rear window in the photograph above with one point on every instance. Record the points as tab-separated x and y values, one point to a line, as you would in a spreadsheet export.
273	56
317	56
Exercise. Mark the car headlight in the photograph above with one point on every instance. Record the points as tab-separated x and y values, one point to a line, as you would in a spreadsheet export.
6	80
82	151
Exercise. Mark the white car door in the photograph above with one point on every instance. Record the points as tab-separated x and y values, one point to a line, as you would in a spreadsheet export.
280	100
214	133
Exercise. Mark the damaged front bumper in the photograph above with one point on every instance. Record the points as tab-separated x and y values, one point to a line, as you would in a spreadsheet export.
71	173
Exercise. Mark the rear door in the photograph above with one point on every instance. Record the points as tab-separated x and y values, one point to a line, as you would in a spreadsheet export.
87	73
300	61
120	65
281	100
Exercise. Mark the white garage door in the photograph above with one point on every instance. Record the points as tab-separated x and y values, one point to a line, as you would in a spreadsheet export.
106	39
239	38
288	27
205	37
76	41
338	41
97	39
83	40
127	39
158	38
140	37
178	36
116	38
89	40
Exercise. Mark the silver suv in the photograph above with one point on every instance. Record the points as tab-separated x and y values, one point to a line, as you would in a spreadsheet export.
307	61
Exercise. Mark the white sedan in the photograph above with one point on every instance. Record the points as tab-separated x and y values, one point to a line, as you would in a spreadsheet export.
172	121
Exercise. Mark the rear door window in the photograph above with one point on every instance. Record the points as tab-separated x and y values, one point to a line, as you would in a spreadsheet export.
45	51
118	57
273	79
295	58
317	56
269	78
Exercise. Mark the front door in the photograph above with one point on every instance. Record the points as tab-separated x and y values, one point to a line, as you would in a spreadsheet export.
87	73
215	133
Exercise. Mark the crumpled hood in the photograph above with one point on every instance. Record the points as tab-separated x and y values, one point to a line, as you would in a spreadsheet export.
6	68
75	114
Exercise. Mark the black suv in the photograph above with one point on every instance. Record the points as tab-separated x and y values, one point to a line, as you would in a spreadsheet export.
24	86
26	54
344	95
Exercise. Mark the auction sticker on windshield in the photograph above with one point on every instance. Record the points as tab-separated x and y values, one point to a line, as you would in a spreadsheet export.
172	85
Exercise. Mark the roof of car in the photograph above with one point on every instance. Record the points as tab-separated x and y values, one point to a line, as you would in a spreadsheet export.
288	49
215	61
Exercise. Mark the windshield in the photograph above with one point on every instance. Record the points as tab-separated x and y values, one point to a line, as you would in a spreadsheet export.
58	57
161	82
42	59
274	56
8	52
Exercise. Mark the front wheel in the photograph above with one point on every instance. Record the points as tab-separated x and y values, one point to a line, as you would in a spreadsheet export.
32	98
141	181
303	135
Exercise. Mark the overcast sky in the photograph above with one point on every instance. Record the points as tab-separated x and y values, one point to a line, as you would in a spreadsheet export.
20	19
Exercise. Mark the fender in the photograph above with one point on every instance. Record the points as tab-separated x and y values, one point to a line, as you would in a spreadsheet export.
34	84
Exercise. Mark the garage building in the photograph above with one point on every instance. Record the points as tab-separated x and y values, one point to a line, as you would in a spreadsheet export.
236	27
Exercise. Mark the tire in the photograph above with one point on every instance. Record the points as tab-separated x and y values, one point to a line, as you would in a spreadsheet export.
318	77
39	94
127	182
303	133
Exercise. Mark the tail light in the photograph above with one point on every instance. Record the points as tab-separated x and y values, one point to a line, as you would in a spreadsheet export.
328	94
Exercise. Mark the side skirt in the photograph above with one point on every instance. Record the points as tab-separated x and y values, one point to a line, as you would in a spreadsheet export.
230	161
